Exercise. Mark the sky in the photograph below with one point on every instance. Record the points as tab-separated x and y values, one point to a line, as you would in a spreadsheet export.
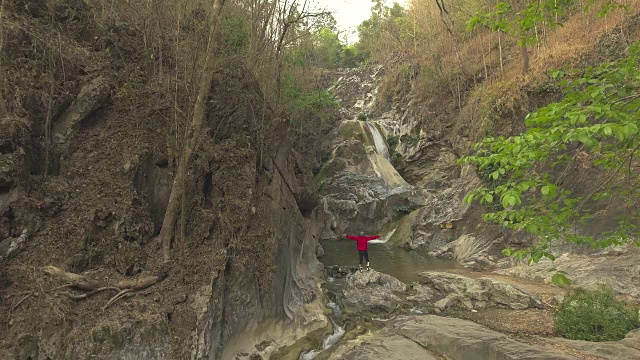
350	13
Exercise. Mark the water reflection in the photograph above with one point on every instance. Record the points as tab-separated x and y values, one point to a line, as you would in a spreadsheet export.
400	263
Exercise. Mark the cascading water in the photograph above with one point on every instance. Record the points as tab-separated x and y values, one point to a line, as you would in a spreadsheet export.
378	140
330	340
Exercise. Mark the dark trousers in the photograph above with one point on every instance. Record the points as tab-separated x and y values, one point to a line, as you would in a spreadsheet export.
364	255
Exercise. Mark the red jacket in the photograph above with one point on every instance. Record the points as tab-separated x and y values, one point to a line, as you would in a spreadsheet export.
361	240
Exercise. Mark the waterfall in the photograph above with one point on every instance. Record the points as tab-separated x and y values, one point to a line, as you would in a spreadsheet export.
330	340
378	140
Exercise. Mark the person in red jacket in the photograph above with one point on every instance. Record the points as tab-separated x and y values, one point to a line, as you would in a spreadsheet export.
363	251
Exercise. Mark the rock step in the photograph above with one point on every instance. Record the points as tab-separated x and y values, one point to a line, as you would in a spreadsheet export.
388	347
435	337
458	339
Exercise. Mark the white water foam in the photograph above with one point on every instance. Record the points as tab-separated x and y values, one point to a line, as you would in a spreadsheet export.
378	140
385	239
330	340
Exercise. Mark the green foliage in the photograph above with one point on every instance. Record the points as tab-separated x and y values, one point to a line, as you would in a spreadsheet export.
392	143
595	316
411	139
234	31
321	174
402	211
325	50
363	116
302	105
384	19
598	120
350	57
560	279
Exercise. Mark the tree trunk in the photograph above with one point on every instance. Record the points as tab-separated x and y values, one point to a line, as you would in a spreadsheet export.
525	59
3	107
197	121
500	51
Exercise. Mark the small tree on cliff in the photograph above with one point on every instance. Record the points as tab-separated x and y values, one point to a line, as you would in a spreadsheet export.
194	132
520	19
594	128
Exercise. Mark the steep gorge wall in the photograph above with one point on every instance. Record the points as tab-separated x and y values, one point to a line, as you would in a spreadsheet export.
433	129
429	130
243	263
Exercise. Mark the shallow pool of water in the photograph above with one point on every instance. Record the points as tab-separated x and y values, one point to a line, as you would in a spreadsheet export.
403	264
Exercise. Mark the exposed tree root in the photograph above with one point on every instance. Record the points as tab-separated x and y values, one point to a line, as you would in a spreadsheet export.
90	293
124	287
117	297
15	306
74	280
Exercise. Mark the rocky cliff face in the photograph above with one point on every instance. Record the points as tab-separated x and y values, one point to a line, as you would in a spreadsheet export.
408	185
243	268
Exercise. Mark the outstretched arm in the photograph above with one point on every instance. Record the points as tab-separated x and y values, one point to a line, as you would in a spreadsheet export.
350	237
369	238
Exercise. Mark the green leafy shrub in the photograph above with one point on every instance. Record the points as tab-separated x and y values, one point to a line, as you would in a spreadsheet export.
393	141
403	211
363	116
235	34
411	139
595	316
598	116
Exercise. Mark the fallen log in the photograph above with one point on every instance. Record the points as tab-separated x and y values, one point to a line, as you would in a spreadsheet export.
124	287
75	280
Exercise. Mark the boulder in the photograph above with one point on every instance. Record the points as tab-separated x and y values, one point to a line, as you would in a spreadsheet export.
428	164
90	98
339	272
470	250
632	339
420	294
370	300
354	203
7	169
458	290
371	291
619	271
372	278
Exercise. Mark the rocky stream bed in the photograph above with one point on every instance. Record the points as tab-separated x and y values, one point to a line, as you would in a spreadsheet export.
435	292
446	315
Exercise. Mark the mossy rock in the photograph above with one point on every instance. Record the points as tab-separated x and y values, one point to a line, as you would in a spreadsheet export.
354	130
313	340
352	334
329	169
